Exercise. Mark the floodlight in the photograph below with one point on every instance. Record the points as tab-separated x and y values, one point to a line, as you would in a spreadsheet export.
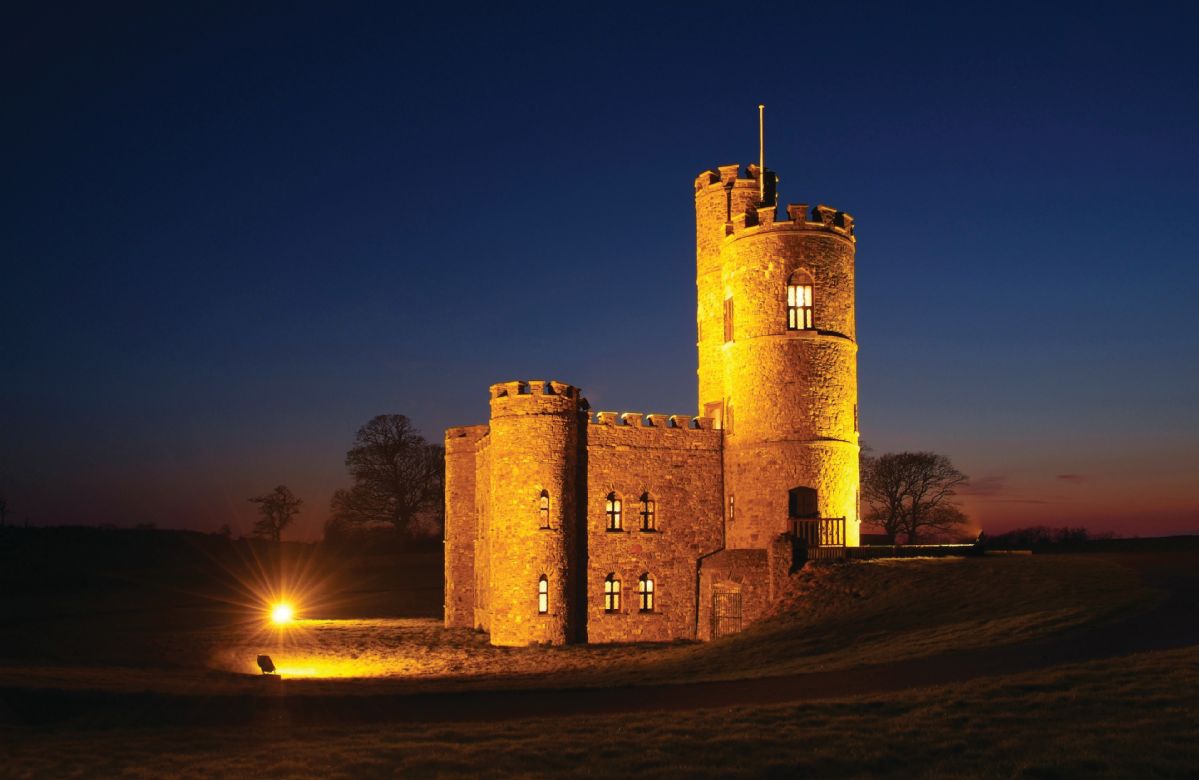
266	664
282	613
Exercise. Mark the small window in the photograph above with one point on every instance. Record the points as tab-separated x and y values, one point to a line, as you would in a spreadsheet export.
543	509
731	507
649	513
799	302
611	594
645	593
612	506
543	595
728	319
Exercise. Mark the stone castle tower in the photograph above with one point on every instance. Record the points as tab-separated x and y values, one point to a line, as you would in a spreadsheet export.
777	355
563	525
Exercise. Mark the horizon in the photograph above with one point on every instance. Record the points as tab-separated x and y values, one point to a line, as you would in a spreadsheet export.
243	234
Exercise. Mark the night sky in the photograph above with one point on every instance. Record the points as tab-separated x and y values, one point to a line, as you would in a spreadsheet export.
231	237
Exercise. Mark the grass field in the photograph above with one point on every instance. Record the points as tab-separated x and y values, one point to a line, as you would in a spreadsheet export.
184	625
1133	717
835	617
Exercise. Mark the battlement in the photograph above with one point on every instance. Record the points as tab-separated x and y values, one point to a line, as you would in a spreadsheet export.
726	176
464	434
799	217
533	388
681	422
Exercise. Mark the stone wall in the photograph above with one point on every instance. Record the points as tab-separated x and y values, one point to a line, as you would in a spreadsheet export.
460	531
679	467
743	573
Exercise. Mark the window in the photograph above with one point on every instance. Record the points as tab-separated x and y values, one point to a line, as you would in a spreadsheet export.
543	595
612	506
543	509
728	319
645	593
611	594
801	502
799	301
649	509
730	509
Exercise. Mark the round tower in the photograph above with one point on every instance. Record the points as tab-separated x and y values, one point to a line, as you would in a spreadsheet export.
777	356
534	462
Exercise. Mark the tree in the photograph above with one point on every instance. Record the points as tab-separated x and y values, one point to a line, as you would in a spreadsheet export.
911	493
398	478
277	509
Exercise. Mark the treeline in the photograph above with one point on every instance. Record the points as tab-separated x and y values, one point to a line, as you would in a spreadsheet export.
1044	538
395	497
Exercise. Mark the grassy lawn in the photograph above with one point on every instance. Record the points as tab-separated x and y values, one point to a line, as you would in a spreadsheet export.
834	617
1131	717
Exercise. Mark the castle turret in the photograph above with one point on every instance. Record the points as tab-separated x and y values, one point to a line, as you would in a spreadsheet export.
777	355
533	526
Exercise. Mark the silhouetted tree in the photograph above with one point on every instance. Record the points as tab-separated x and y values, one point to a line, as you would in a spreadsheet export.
911	493
398	479
277	509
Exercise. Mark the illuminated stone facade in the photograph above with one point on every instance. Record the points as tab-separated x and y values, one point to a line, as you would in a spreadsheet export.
564	526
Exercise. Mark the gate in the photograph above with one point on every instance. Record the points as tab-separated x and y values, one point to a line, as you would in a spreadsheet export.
726	614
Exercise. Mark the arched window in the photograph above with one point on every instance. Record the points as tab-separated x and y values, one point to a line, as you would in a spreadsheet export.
649	513
645	593
611	594
543	595
799	301
543	509
612	506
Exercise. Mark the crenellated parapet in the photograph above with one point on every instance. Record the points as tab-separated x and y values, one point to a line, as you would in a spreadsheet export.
799	217
764	215
634	420
535	396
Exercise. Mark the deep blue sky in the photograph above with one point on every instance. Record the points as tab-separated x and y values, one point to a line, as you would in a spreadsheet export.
231	237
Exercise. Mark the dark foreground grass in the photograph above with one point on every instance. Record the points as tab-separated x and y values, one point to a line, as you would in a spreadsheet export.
835	617
1131	717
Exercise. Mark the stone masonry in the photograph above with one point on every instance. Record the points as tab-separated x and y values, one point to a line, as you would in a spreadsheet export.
568	526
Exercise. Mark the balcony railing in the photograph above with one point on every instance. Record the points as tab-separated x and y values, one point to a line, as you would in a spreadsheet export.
819	531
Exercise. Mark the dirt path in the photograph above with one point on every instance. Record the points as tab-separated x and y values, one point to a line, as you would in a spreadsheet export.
1174	622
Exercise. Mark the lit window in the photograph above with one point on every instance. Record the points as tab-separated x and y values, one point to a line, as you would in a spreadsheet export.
728	319
799	302
543	509
612	506
645	593
543	595
611	594
731	507
649	508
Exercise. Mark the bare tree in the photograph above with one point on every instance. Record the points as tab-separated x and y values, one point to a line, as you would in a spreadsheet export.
398	478
277	509
911	493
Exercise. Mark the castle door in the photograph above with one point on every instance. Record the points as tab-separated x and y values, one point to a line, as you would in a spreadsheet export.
726	613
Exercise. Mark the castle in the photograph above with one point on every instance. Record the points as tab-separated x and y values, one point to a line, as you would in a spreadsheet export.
566	526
